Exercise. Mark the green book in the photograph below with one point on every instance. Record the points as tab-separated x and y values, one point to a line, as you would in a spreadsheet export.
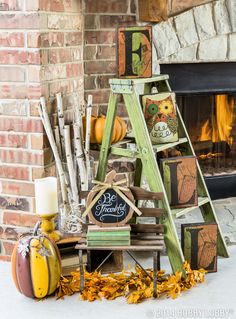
108	234
112	238
108	243
95	228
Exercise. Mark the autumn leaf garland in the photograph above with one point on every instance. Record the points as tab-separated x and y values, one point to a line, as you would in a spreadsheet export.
134	286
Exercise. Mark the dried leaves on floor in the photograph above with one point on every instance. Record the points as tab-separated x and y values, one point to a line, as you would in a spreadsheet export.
135	286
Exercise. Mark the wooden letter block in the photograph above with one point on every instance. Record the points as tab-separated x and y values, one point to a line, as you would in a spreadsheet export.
180	180
199	244
135	52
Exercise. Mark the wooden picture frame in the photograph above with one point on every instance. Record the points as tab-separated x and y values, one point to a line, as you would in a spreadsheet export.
199	245
110	196
180	180
134	52
119	222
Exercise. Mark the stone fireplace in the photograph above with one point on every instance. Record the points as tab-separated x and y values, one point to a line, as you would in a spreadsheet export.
197	49
206	98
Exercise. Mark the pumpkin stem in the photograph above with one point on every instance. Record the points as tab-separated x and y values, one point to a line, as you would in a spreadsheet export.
36	227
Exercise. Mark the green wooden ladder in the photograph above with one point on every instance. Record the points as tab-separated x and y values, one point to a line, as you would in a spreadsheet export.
146	162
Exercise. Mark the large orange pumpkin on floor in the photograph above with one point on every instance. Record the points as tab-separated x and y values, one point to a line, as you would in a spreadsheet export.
98	126
36	266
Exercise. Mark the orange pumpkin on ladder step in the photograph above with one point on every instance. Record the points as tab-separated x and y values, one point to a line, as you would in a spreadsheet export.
98	126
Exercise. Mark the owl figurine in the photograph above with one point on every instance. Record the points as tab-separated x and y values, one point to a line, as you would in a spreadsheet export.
161	119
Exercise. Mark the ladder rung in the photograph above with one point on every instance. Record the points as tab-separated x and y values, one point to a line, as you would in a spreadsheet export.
123	152
162	147
178	212
157	148
156	78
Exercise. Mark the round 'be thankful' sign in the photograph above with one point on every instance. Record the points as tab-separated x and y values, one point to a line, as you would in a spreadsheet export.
110	208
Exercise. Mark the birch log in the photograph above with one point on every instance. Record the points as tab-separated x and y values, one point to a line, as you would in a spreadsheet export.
78	116
79	121
61	121
80	157
70	167
47	126
58	140
87	138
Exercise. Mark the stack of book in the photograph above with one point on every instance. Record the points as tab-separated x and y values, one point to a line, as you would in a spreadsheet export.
69	255
108	236
70	263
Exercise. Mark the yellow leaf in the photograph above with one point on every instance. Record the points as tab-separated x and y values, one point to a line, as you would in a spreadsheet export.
134	285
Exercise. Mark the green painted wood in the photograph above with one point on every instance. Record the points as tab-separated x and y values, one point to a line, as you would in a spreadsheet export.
121	88
178	212
152	173
156	78
147	163
106	142
139	81
103	234
123	152
162	147
109	243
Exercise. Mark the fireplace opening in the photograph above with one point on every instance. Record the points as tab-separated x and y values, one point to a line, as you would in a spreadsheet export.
206	97
212	130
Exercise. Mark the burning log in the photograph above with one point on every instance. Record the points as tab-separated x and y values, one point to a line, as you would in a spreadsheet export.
206	147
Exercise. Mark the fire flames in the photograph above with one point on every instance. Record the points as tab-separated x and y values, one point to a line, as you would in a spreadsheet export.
219	128
221	125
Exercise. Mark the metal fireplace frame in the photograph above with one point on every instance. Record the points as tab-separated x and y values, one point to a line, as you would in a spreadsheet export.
211	78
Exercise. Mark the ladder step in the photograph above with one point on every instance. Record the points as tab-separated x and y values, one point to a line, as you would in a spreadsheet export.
156	78
157	148
178	212
162	147
124	152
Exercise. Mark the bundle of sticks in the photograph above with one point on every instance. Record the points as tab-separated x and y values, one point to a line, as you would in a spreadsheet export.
71	150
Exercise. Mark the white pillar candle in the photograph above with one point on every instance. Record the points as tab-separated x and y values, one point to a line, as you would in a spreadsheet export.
46	196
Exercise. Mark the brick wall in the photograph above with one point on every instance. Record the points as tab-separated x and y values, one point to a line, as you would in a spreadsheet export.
40	54
101	21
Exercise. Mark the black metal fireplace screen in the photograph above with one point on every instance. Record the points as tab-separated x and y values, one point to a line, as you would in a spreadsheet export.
206	96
